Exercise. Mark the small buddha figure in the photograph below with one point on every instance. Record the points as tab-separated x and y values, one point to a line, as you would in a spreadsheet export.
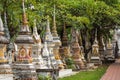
95	48
22	52
109	44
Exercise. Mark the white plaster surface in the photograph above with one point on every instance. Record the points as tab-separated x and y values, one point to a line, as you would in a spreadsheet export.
6	77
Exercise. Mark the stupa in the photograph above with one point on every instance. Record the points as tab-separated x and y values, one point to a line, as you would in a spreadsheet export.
65	49
36	55
95	57
50	44
5	68
81	46
77	58
23	67
56	41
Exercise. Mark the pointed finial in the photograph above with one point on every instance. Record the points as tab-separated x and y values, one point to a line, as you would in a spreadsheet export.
34	22
96	42
96	34
1	26
35	28
109	41
54	31
7	34
48	25
80	39
103	41
96	37
76	37
64	27
25	22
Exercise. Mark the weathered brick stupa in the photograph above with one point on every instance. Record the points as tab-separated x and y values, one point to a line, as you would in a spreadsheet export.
36	55
23	67
81	46
5	68
77	58
65	49
95	57
56	41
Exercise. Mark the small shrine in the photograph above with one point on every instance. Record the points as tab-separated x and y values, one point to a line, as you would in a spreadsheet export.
36	52
77	58
56	41
109	55
5	69
23	67
95	56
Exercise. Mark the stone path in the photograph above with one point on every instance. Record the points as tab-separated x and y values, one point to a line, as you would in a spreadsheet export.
113	72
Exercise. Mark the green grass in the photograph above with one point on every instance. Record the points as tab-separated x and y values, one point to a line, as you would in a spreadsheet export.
88	75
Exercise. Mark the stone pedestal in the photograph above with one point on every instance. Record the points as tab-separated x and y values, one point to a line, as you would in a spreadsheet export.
6	72
96	60
23	68
65	72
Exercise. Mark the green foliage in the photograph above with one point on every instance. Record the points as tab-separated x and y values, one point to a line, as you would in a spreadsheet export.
81	14
69	63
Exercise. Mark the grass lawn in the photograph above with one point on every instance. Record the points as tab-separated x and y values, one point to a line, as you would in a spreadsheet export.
88	75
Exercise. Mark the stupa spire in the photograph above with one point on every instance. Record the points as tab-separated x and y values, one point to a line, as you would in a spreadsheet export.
24	34
35	28
36	36
48	26
3	39
25	22
48	35
7	34
96	37
54	31
1	26
64	37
